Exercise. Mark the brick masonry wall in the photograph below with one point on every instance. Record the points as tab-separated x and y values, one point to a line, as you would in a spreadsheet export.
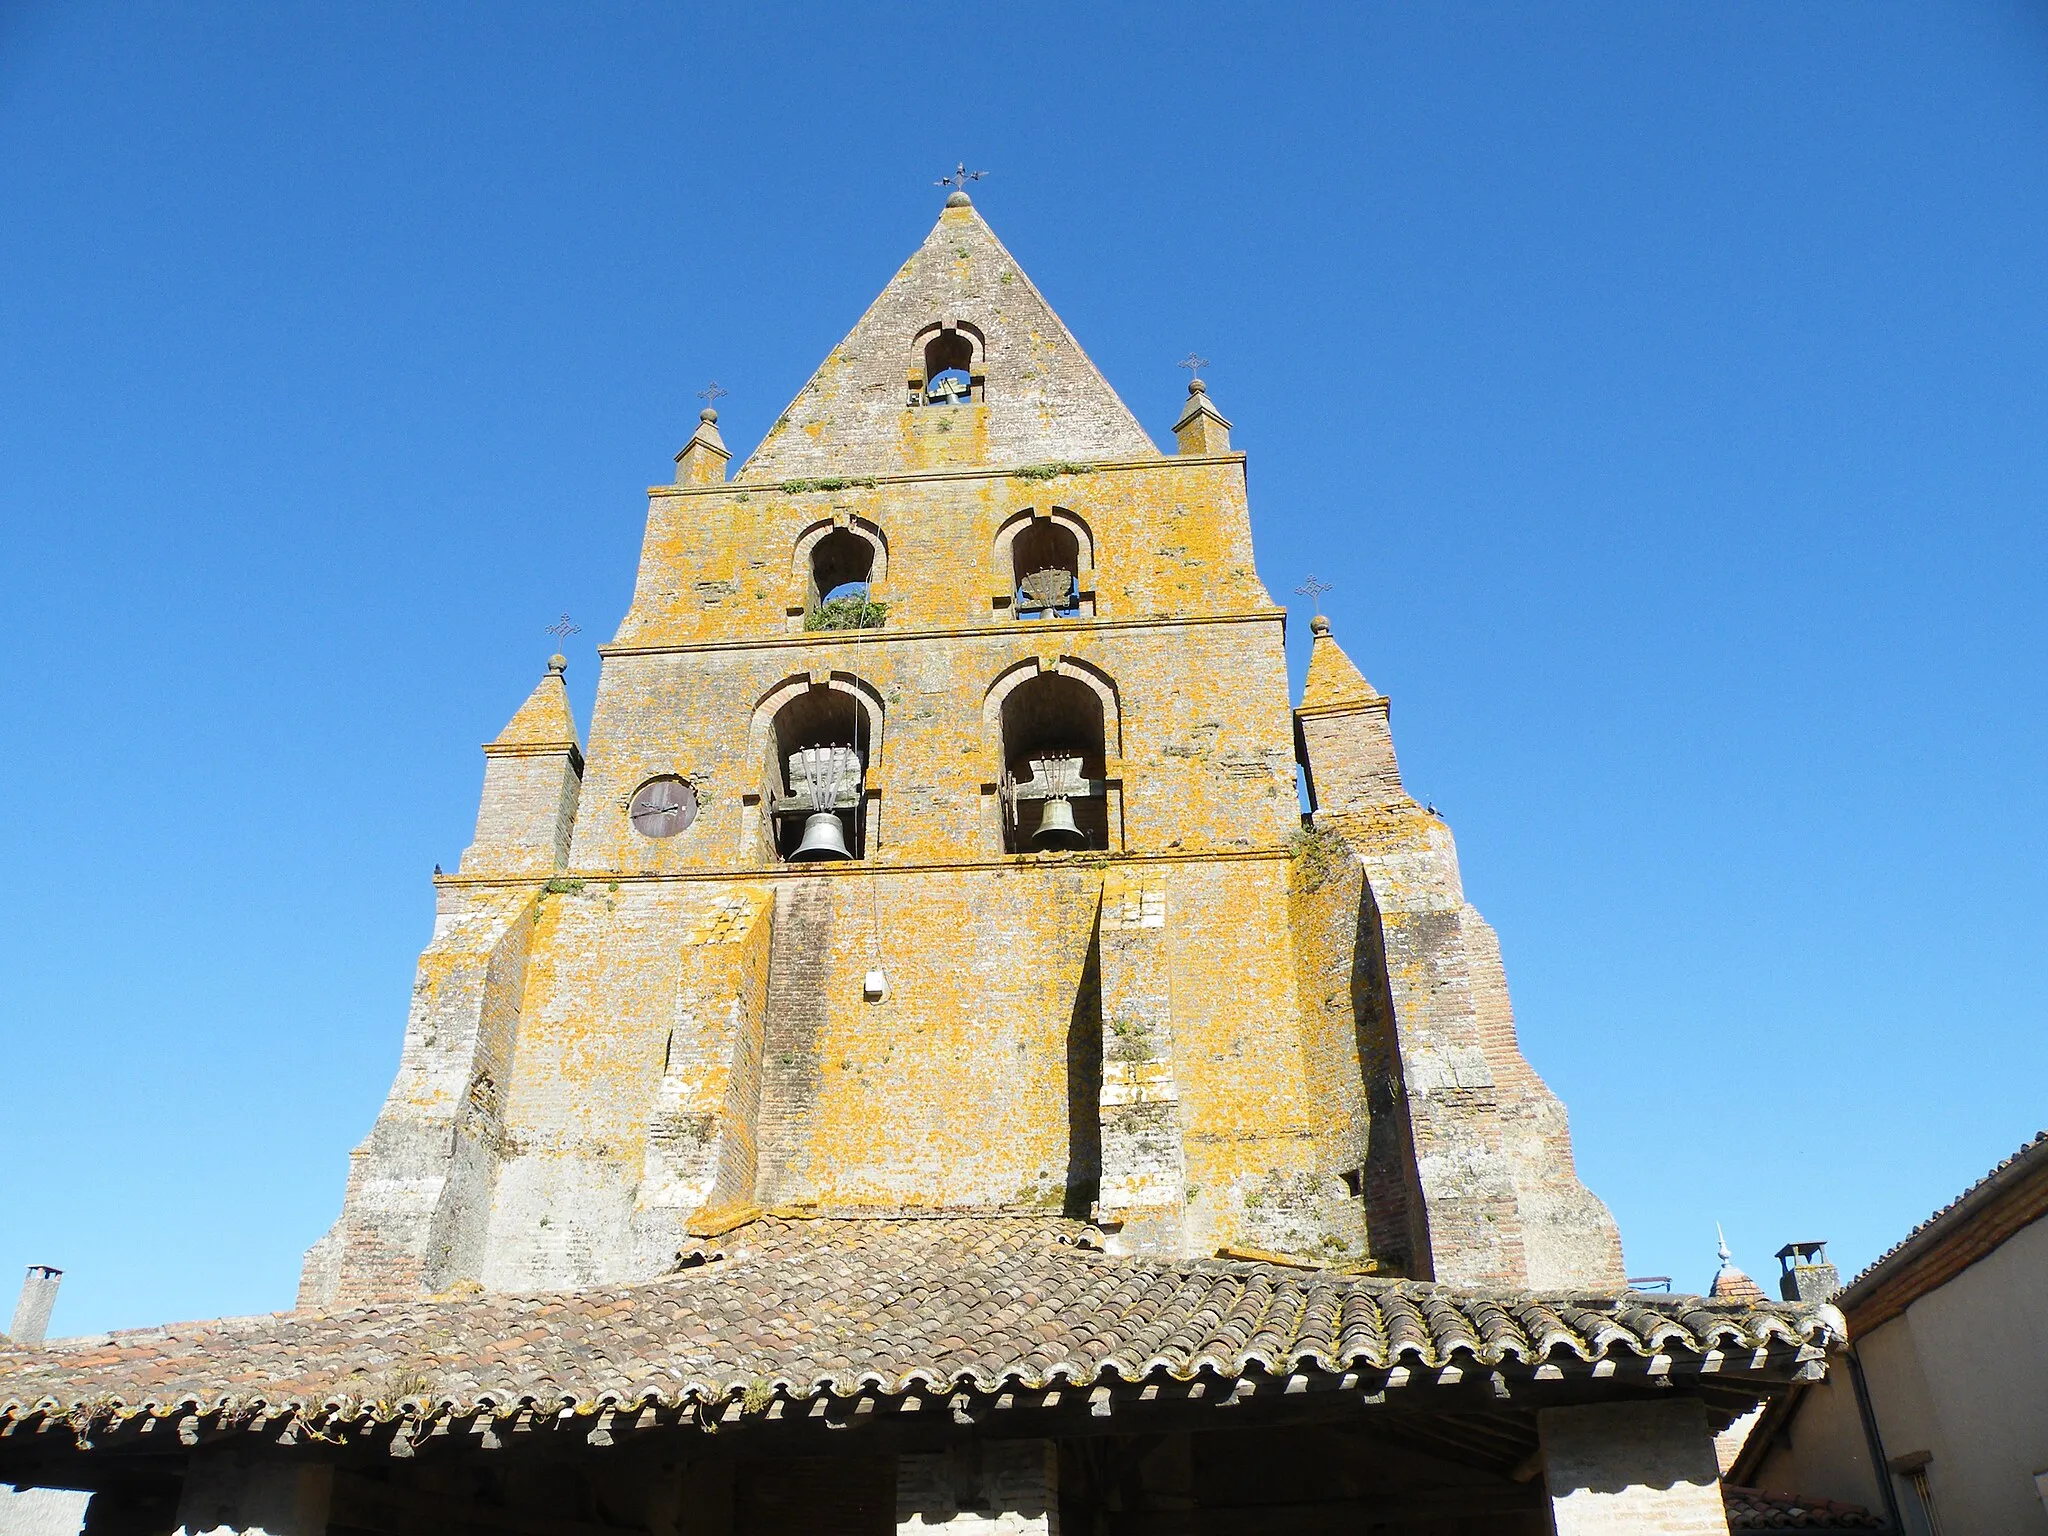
1171	537
1646	1469
799	1012
1569	1238
528	808
1351	753
1353	1069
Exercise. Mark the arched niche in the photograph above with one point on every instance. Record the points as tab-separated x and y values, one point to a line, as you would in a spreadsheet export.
792	722
1035	541
1055	730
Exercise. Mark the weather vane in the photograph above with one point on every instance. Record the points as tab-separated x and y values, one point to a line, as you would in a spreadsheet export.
562	629
960	177
1194	362
710	394
1313	590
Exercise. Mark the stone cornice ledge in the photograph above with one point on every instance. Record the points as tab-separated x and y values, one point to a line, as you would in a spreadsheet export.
1008	628
968	472
1377	705
853	868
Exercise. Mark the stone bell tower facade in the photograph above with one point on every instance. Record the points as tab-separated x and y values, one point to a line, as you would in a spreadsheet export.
938	850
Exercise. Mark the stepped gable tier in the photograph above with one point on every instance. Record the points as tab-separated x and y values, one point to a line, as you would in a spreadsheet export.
886	1308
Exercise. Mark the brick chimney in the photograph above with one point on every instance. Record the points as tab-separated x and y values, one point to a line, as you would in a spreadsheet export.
1806	1274
32	1312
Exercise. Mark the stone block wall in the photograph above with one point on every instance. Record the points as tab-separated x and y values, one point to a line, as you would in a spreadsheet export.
1144	1183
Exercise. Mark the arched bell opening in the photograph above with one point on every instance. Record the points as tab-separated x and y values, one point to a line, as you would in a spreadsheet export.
1045	567
1055	780
947	370
842	567
835	570
814	772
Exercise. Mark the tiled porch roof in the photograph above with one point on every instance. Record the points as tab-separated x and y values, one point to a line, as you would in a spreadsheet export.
799	1309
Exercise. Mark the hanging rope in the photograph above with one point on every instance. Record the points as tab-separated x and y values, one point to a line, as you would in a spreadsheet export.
874	876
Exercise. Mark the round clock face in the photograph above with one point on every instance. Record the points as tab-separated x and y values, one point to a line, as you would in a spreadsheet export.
663	807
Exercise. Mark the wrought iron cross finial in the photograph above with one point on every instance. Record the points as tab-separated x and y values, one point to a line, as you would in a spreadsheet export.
960	177
710	393
1194	362
562	629
1313	590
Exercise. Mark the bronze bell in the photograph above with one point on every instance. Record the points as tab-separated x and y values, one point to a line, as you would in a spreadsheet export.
1056	827
824	838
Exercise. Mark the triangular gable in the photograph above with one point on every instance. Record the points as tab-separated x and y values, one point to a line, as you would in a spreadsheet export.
1044	400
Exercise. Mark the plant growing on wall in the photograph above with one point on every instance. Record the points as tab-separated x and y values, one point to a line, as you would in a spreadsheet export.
1051	471
854	612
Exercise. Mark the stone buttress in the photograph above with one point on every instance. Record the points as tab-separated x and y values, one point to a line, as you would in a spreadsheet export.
939	850
1492	1194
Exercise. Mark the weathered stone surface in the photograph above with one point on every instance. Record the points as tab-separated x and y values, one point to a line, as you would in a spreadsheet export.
1144	1189
41	1511
1501	1203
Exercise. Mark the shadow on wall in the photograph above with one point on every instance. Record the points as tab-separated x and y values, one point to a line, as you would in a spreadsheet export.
1084	1085
1389	1184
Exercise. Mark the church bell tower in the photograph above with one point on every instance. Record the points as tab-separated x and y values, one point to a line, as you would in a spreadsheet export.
937	850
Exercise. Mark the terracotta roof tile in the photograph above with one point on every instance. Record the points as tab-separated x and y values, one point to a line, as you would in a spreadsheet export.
1731	1284
830	1305
1751	1509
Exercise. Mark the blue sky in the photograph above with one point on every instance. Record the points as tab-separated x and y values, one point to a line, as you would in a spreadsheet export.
1661	388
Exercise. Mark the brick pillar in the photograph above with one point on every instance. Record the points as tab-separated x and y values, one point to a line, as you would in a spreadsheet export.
1617	1467
1144	1165
996	1488
275	1498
